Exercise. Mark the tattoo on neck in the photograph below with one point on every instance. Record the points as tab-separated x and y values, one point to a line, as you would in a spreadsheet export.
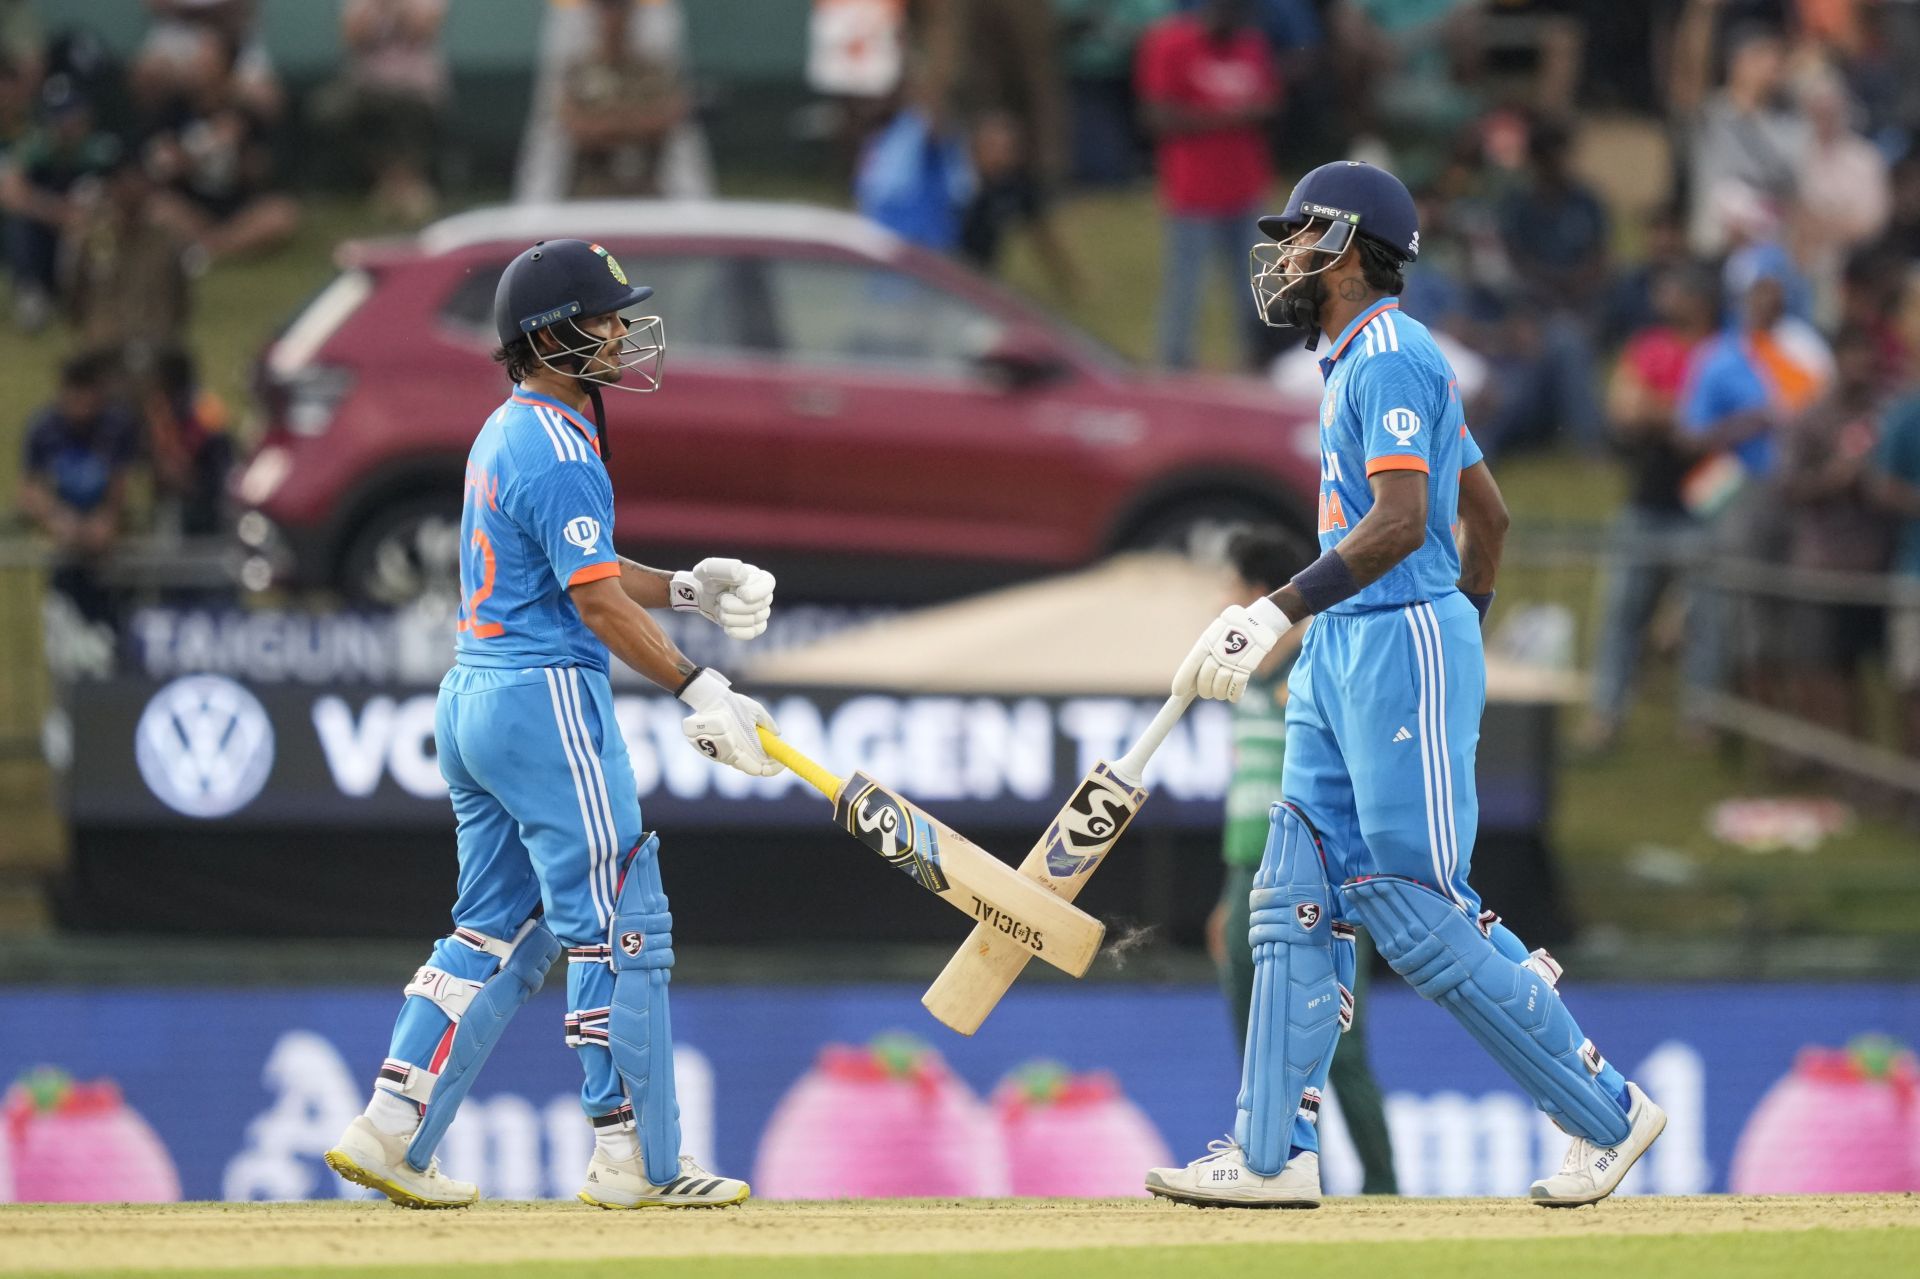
1353	290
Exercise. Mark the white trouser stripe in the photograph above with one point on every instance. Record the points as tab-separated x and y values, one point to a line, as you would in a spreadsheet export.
1446	751
599	866
601	910
1426	750
1427	631
597	791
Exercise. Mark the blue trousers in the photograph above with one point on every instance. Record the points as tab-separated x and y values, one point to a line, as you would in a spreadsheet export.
1383	721
547	811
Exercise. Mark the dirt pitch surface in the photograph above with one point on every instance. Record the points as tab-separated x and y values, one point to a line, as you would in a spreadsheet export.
263	1237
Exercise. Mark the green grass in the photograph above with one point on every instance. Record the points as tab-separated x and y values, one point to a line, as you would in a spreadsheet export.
1869	1254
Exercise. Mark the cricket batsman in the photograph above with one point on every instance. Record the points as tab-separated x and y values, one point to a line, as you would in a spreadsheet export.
552	855
1378	813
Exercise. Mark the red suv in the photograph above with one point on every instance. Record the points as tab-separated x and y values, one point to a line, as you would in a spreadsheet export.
836	401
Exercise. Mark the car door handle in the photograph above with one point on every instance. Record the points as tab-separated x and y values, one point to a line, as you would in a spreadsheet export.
815	401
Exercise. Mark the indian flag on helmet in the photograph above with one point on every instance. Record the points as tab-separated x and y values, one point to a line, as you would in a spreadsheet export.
613	263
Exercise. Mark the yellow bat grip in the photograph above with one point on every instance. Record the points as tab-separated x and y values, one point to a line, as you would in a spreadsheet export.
811	773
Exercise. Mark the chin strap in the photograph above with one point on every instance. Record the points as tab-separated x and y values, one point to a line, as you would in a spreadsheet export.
1299	313
599	419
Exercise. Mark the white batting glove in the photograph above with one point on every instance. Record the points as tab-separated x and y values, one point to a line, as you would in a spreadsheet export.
1230	650
736	597
722	724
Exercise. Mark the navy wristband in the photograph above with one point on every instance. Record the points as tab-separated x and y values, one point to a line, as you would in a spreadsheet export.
1480	602
1325	582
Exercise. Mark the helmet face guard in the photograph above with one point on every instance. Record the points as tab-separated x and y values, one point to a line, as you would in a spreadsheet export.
640	351
1310	247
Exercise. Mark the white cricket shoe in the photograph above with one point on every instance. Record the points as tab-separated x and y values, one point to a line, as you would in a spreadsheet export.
1221	1179
1590	1172
623	1184
378	1160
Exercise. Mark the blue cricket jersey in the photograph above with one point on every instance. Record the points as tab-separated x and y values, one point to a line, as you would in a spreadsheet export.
1392	404
537	519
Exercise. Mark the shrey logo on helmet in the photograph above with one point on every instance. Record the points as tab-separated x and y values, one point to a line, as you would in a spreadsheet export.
204	746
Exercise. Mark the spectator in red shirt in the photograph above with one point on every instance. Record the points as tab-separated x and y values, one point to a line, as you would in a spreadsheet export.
1207	88
1654	532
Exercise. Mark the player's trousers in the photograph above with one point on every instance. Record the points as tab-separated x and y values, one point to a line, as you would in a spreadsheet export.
1383	721
1351	1075
548	818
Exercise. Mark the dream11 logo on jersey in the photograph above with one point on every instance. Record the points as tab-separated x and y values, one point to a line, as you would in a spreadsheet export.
204	746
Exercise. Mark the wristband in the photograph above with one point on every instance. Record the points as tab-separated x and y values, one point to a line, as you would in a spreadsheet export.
1480	602
1325	582
687	683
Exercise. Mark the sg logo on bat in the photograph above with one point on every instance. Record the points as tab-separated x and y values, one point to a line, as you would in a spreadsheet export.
1091	822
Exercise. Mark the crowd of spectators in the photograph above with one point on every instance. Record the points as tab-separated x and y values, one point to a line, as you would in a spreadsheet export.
1676	236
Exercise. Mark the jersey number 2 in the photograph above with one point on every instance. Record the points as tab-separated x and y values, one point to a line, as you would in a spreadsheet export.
471	623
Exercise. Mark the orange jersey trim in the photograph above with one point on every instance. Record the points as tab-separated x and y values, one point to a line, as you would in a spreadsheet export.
591	435
1362	323
594	572
1398	462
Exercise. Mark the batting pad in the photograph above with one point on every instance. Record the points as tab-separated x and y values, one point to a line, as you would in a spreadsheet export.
523	967
639	1030
1295	1016
1512	1010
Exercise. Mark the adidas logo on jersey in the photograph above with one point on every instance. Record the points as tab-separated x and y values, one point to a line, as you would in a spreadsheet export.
1403	735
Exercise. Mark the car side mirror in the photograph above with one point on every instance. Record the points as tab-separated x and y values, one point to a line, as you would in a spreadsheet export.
1021	360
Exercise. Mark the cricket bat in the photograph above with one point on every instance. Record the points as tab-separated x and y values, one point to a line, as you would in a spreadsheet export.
1004	903
1075	843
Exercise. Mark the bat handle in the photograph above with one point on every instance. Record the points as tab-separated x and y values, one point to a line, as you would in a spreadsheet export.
1133	765
811	773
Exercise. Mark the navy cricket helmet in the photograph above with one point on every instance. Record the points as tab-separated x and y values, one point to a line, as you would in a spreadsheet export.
1328	208
558	283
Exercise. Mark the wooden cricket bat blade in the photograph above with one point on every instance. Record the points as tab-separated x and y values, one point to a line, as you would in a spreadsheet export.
1021	913
1072	847
1080	836
1012	907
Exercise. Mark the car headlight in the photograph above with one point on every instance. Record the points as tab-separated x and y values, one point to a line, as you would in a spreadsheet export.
264	475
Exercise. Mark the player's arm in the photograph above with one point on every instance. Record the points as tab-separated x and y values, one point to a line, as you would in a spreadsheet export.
722	723
629	632
1385	535
1482	536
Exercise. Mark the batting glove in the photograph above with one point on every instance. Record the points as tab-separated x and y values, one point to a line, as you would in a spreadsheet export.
735	596
1230	650
722	724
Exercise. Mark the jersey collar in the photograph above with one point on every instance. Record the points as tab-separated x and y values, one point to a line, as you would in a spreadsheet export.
523	396
1347	334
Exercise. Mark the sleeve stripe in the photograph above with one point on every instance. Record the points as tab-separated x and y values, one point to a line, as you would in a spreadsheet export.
1397	462
594	572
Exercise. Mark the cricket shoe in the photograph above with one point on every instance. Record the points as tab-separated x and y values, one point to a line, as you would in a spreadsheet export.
1221	1179
622	1183
1590	1172
378	1160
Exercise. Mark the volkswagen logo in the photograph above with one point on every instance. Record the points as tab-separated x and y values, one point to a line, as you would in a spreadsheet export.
204	746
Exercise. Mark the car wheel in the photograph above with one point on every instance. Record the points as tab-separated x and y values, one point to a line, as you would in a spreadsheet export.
1199	528
407	552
